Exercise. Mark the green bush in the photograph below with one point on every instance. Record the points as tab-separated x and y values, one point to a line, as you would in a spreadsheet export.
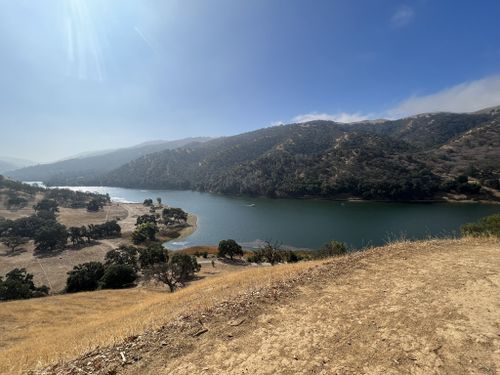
118	276
84	277
254	258
486	226
331	249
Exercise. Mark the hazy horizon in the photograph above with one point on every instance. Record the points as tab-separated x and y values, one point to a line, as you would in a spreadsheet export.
90	75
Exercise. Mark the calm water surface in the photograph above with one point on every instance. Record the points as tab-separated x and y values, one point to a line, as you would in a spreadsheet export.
306	223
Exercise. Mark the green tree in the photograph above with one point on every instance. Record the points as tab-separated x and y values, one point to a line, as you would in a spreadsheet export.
47	205
272	252
118	276
184	266
144	232
229	248
124	255
153	254
146	219
18	284
174	216
84	277
175	270
94	205
51	236
76	235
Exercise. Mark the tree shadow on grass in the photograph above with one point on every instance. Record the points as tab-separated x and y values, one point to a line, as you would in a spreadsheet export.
234	262
14	253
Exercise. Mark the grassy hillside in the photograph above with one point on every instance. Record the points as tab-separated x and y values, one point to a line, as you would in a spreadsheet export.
78	168
409	307
406	159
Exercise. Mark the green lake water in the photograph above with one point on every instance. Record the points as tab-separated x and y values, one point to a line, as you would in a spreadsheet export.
306	223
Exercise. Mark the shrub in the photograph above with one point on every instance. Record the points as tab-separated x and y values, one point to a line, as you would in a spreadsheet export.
254	258
84	277
486	226
292	257
331	249
117	276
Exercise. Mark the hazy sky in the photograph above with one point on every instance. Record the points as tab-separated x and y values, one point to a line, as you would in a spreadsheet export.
79	75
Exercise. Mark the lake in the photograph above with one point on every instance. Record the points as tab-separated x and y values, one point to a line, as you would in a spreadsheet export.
305	223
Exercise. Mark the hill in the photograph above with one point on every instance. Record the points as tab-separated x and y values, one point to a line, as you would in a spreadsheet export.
9	164
85	166
407	159
409	307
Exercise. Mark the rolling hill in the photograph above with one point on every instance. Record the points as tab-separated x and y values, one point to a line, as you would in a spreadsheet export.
9	164
410	158
87	166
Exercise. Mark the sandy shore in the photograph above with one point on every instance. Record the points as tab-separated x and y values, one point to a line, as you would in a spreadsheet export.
193	225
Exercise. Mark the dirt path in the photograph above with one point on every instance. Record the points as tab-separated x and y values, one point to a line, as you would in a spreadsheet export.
433	310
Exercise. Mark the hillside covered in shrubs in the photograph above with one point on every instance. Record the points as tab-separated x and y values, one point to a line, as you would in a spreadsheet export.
419	157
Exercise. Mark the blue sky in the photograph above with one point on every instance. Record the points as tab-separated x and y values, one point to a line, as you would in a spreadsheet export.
80	75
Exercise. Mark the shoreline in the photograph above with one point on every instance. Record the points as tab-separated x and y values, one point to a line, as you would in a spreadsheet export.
443	199
190	229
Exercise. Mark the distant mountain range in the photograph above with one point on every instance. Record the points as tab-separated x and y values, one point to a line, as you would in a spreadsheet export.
419	157
88	165
8	164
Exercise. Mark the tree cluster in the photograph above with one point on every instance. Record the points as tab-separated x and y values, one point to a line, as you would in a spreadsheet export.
85	234
273	253
122	266
18	284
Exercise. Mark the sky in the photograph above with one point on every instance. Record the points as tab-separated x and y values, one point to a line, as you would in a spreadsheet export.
83	75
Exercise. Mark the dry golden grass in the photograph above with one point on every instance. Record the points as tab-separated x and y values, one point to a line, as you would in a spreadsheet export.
37	332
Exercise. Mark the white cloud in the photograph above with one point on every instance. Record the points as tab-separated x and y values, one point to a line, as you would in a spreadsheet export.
403	16
465	97
338	117
277	123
